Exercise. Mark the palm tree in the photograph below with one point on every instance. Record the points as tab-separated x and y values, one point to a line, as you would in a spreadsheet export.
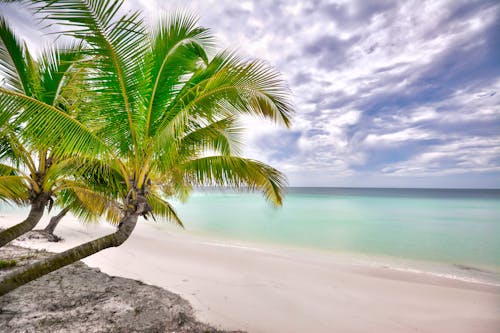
29	173
163	119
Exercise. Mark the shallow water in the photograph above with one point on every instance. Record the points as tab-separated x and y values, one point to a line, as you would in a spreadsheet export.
460	227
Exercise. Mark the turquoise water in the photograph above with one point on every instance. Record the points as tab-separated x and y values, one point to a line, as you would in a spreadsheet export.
452	226
449	226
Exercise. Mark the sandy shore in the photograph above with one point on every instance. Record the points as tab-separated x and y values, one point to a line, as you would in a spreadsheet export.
80	299
269	289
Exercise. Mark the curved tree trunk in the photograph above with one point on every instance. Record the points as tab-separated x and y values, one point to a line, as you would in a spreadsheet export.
34	216
54	221
29	273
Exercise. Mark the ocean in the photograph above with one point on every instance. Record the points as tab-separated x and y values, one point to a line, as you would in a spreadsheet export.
453	226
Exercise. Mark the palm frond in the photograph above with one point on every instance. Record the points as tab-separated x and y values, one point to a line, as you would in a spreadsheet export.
15	61
14	189
118	44
54	67
6	151
251	87
177	47
13	150
230	85
219	137
87	204
237	172
50	126
97	175
7	170
163	209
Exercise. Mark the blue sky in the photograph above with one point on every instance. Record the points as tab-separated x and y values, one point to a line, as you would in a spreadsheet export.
388	93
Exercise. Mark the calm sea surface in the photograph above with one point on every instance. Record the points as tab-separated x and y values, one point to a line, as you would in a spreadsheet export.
459	227
452	226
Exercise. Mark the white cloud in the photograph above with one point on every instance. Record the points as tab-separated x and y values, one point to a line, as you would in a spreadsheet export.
395	138
356	69
467	155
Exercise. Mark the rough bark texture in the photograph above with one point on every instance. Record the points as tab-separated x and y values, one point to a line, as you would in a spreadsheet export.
31	272
78	299
34	216
54	221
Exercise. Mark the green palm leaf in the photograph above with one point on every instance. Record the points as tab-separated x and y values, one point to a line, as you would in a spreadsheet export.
54	67
163	209
7	170
15	62
14	189
177	45
50	126
229	85
118	44
220	137
237	172
87	204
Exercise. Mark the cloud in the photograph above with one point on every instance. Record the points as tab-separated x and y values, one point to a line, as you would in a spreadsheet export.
464	156
331	51
381	88
395	138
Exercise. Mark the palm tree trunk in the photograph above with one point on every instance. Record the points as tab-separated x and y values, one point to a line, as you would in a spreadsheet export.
54	221
29	273
34	216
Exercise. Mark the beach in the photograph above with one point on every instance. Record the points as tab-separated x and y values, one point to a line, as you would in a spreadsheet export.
272	166
264	288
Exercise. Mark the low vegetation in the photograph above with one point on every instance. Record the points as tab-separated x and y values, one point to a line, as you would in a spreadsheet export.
7	263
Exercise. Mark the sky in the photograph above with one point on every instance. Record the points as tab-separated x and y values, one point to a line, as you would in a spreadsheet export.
387	93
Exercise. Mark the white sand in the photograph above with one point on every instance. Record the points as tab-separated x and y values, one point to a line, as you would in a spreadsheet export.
269	289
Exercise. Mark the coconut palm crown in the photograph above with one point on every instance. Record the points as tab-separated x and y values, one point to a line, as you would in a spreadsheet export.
29	173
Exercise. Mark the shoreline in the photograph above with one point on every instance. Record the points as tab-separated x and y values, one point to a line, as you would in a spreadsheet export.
238	285
484	275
